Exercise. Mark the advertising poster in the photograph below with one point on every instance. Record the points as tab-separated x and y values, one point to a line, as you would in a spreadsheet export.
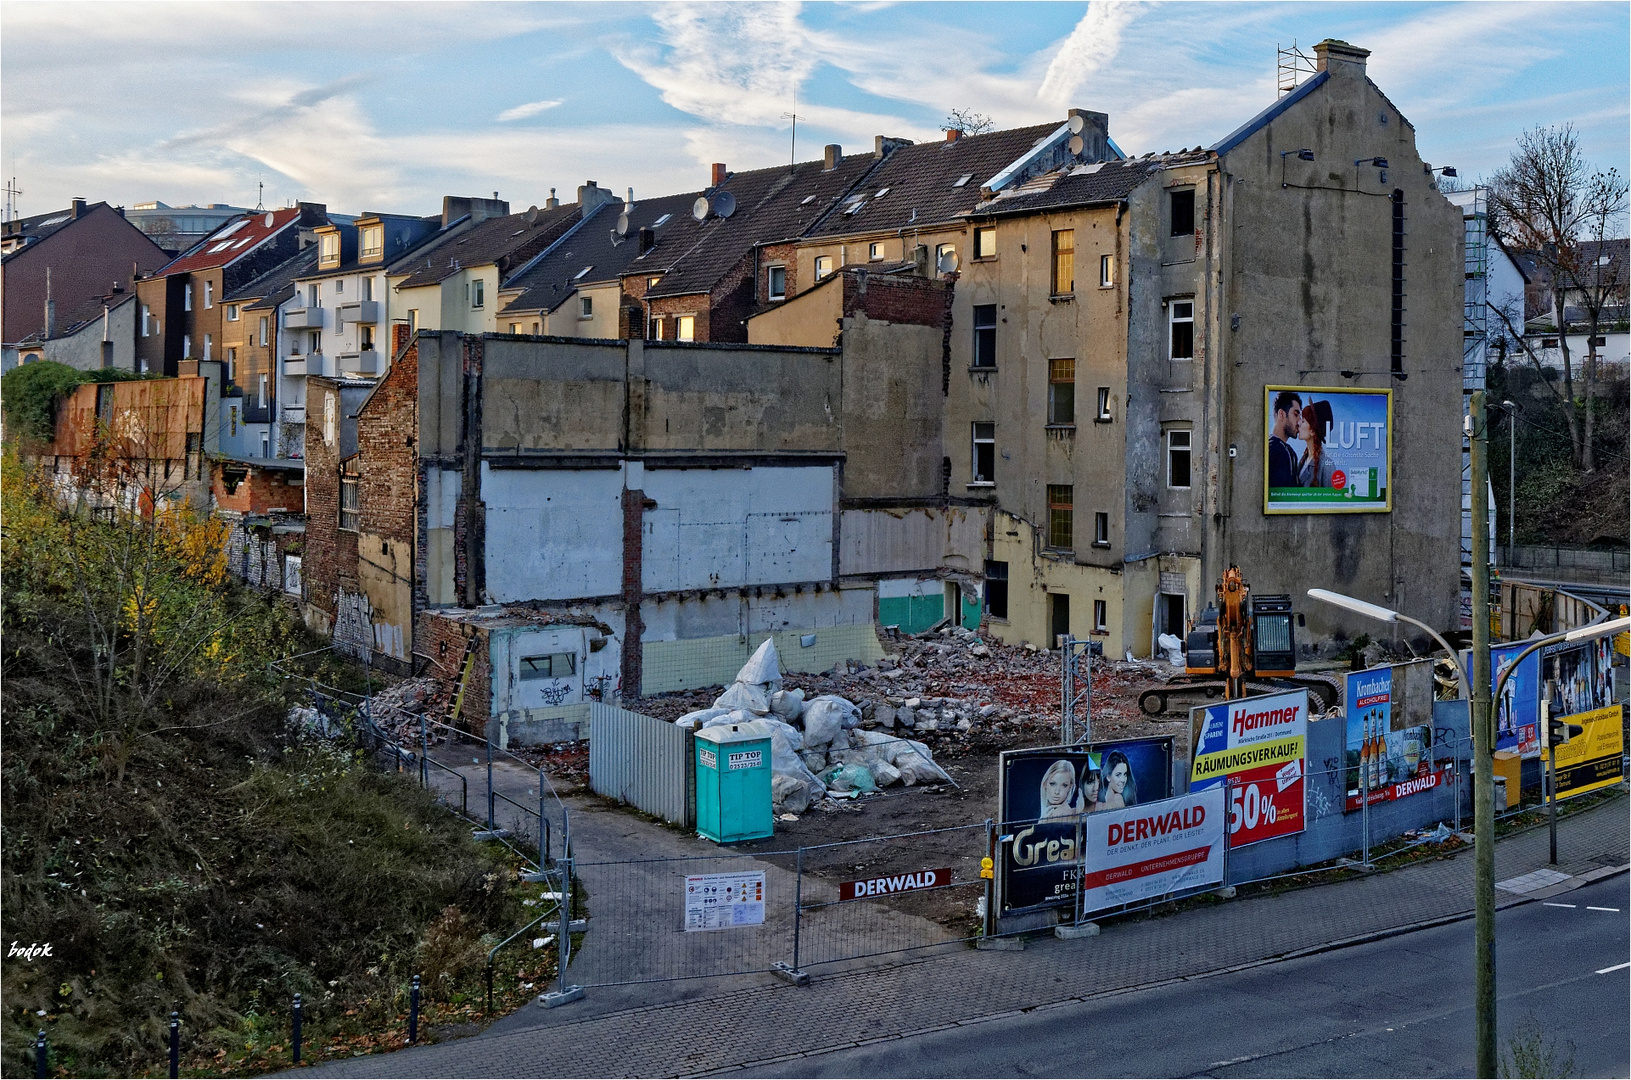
1517	710
1388	753
1327	450
1257	745
1596	757
1152	850
1042	795
1581	674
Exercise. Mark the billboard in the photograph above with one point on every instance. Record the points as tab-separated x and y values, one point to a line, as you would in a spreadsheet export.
1389	738
1517	710
1596	757
1327	450
1258	745
1581	674
1152	849
1042	795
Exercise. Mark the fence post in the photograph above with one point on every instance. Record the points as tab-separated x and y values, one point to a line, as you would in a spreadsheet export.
1364	817
991	882
175	1044
564	952
1228	782
424	753
489	779
413	1011
40	1067
798	902
294	1041
543	826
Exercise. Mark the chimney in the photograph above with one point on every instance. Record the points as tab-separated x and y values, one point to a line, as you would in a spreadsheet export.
884	145
1338	57
77	207
648	240
920	260
953	134
552	203
50	308
591	197
628	203
831	157
1095	134
719	174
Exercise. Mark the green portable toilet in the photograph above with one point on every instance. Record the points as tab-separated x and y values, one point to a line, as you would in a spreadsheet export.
733	782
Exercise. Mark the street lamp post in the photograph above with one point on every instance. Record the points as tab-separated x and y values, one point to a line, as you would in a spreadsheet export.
1388	615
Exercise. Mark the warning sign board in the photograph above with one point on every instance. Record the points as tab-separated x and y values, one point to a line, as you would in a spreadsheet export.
724	901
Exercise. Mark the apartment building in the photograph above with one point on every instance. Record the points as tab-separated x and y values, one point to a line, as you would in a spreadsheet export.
250	333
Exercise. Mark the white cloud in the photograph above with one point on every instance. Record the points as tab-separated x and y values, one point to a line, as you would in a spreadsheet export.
531	108
1092	44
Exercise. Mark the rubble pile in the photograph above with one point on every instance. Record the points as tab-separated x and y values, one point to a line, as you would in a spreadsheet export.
396	709
820	745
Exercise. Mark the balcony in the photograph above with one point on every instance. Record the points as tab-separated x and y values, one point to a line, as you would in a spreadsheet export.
294	365
293	414
309	364
360	363
310	318
361	311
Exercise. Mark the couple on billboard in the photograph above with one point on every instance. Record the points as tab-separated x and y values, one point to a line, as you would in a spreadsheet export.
1065	795
1310	425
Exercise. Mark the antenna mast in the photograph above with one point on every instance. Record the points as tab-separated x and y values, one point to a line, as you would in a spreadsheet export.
1291	65
12	191
260	195
792	153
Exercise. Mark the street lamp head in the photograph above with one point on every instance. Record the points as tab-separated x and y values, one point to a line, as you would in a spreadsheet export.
1581	633
1358	607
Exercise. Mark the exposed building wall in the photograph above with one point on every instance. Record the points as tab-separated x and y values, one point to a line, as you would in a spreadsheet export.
84	349
86	257
1034	573
246	489
330	568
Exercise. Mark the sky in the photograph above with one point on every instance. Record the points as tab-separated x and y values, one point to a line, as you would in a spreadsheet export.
389	106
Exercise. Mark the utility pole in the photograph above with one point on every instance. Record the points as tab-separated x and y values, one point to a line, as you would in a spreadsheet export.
1483	750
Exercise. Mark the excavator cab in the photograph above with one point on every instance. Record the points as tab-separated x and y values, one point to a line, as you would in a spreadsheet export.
1274	648
1201	643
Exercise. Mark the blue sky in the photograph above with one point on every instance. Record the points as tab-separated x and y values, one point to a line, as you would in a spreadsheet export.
389	106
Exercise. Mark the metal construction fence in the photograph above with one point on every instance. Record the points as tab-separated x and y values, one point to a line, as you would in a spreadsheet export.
643	761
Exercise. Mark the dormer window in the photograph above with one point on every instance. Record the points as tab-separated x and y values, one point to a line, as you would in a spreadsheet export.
372	242
328	250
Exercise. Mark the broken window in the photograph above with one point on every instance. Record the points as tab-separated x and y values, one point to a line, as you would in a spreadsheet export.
1182	202
553	666
1064	262
996	589
1061	499
1178	458
776	283
985	335
985	243
1062	392
985	453
350	495
1182	333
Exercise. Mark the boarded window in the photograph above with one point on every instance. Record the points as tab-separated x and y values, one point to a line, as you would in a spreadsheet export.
985	243
350	495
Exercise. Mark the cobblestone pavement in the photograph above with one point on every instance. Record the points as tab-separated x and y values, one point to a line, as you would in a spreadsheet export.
703	1026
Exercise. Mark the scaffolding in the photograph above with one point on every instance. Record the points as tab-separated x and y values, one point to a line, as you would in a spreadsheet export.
1292	66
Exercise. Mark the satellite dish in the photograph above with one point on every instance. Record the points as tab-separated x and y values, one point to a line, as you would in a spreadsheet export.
699	209
724	204
532	215
1076	145
1077	123
270	218
948	262
622	225
617	238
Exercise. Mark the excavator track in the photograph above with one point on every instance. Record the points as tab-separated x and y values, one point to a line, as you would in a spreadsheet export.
1182	693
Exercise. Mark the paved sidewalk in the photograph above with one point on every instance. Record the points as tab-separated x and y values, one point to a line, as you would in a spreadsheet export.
686	1028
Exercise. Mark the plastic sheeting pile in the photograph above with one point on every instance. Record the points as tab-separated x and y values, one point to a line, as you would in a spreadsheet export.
816	746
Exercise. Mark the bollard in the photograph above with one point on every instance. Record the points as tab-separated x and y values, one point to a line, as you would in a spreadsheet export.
175	1044
294	1041
413	1011
40	1068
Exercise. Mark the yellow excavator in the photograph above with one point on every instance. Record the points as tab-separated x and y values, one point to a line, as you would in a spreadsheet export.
1237	640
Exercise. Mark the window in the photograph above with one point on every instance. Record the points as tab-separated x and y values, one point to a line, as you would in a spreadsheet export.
316	340
350	495
147	315
1101	616
478	293
823	266
586	307
985	453
535	330
232	364
1181	335
1178	458
328	250
1101	529
654	330
339	286
776	283
945	258
651	282
1064	262
264	321
553	666
313	298
1107	271
232	313
260	398
985	335
1597	342
1548	343
232	420
187	297
1182	202
1060	499
1062	392
365	338
996	589
874	250
373	242
685	328
209	343
515	328
1103	414
367	288
985	243
186	346
413	321
209	294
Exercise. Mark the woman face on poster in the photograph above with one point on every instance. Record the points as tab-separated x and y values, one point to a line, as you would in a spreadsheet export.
1057	784
1117	789
1087	802
1316	467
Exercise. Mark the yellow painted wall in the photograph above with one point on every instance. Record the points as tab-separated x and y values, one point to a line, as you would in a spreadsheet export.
1033	575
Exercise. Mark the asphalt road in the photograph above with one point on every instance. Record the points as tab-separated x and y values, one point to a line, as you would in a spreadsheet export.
1397	1007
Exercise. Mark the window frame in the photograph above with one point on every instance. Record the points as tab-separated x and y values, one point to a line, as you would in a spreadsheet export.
1101	616
1187	449
586	307
982	434
1174	321
823	267
478	294
264	330
209	295
364	251
1061	524
187	297
685	328
1174	195
943	249
1102	415
328	247
1101	528
349	506
996	585
776	282
982	249
1107	271
989	330
1063	271
874	251
525	674
232	313
1061	373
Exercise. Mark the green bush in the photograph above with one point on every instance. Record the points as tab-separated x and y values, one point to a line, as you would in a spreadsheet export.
31	393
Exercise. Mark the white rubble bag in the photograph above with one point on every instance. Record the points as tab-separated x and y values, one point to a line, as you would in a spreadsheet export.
909	759
763	668
787	704
829	707
793	787
1173	647
748	696
695	720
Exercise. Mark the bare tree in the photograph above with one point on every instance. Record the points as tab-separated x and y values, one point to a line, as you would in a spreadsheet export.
968	122
1550	203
